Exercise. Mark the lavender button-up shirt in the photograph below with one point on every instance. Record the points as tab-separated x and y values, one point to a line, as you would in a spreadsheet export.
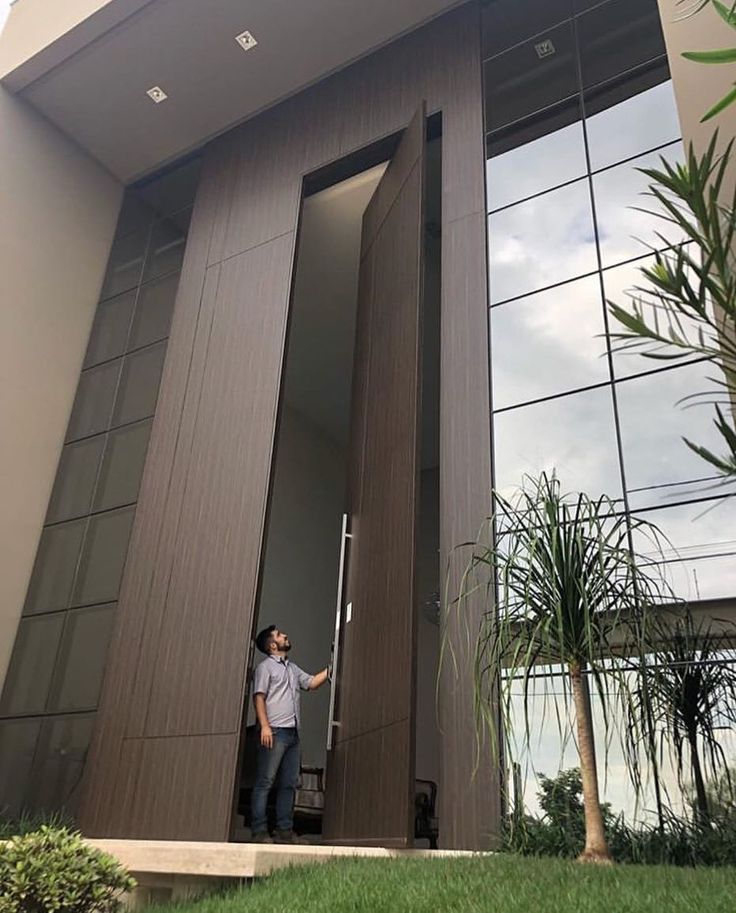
280	680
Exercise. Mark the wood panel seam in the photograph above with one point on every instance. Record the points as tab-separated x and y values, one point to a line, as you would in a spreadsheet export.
252	247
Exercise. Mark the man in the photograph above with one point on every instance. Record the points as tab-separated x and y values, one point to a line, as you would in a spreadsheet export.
276	684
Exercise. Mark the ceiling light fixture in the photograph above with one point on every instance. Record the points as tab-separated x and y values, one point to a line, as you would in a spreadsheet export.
545	48
246	41
157	94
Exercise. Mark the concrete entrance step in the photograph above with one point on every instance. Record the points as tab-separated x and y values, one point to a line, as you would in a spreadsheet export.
176	869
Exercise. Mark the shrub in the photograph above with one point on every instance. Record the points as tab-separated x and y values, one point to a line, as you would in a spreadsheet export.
683	841
53	870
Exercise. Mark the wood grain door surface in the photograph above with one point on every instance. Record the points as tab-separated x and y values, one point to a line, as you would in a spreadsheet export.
370	776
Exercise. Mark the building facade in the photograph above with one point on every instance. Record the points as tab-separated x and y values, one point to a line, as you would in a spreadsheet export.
359	268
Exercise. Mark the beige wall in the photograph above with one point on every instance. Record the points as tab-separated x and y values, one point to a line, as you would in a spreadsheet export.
57	216
53	30
698	86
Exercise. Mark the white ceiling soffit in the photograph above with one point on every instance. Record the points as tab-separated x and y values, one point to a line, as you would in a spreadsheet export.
188	48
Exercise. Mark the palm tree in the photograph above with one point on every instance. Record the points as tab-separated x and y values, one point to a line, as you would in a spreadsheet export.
686	305
691	694
569	593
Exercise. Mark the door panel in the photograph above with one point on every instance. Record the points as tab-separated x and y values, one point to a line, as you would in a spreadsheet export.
370	794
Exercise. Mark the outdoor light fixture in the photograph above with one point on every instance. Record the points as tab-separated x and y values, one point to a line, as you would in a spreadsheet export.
157	94
545	48
246	41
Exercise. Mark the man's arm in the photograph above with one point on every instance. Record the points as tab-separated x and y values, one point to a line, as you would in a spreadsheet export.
309	682
319	679
259	702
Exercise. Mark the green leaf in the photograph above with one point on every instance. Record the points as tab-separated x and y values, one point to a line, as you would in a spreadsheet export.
724	55
728	99
728	15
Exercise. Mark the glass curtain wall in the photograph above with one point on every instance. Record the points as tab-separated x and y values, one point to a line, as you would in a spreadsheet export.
48	704
578	98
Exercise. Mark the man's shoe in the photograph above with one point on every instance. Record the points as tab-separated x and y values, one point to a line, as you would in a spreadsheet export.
261	837
280	836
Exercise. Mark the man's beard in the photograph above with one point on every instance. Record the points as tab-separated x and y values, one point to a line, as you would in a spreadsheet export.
286	647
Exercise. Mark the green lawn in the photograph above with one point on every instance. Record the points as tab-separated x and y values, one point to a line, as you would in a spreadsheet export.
501	883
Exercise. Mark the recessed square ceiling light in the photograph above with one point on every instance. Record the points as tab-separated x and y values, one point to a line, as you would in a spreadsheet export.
157	94
246	41
545	48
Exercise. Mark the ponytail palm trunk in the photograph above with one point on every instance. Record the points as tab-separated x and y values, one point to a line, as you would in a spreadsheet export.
596	845
569	594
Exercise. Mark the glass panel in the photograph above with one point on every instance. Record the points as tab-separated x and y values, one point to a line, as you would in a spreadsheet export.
620	284
641	122
82	657
617	36
53	572
110	329
93	403
57	772
624	230
541	242
139	385
18	740
75	479
122	466
702	553
507	22
135	215
548	343
652	428
703	578
154	311
533	158
173	191
530	77
125	264
168	241
103	558
573	436
31	665
548	746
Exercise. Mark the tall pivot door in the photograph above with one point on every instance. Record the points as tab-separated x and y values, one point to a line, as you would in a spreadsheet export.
370	775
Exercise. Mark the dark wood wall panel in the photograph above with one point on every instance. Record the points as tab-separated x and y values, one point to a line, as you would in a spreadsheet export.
154	607
176	676
464	464
179	789
227	489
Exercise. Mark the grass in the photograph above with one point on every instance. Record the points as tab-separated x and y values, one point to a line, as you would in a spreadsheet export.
26	824
508	884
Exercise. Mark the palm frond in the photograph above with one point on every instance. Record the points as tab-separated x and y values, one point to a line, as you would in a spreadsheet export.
686	305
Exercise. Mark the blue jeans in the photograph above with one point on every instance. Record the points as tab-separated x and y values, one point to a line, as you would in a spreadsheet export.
281	761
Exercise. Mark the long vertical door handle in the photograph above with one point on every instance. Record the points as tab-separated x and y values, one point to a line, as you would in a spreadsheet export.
331	722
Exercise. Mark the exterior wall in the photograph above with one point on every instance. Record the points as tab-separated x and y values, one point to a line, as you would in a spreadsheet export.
180	650
57	221
698	86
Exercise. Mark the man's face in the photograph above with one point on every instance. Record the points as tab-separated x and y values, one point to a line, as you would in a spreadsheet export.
280	642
